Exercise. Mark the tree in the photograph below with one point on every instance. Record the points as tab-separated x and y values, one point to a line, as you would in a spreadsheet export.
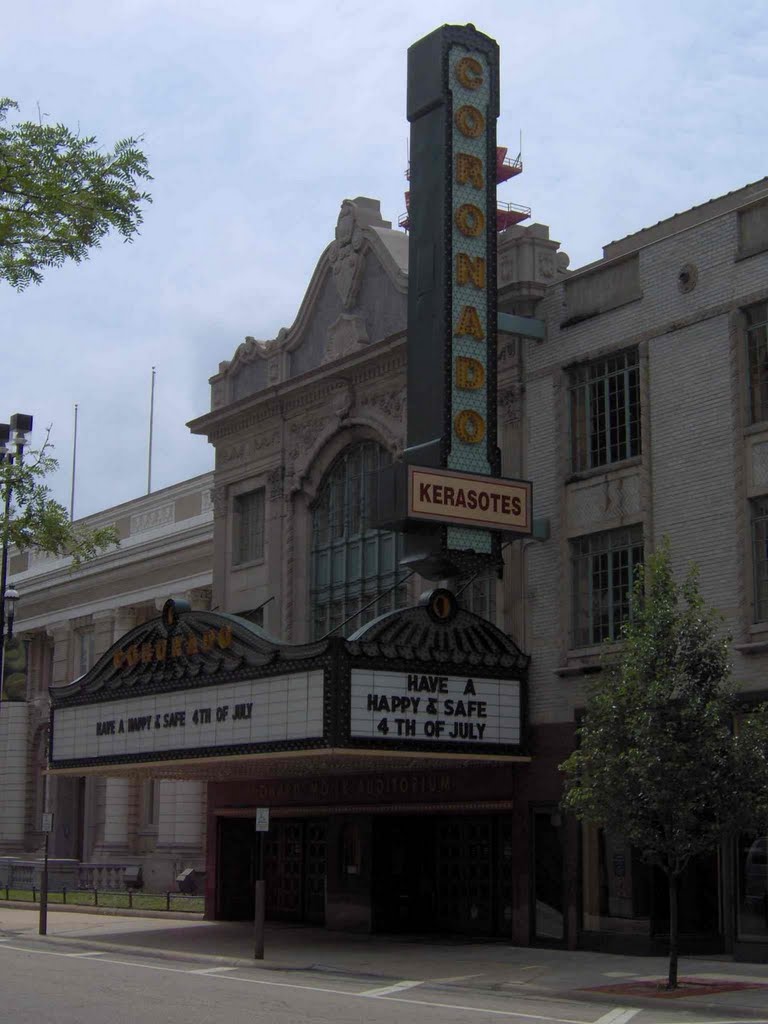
32	519
60	195
659	761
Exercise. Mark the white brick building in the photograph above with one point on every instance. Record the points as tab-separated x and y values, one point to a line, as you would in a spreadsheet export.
646	415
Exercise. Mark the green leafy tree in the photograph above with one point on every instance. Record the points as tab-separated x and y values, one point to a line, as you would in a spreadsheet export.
60	195
659	761
32	519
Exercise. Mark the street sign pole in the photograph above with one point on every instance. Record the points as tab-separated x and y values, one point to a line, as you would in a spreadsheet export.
262	826
47	827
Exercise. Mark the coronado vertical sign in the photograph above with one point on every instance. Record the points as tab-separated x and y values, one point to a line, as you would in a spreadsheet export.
453	105
472	79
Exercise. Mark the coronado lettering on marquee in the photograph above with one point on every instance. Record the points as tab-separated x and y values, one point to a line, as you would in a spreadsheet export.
176	647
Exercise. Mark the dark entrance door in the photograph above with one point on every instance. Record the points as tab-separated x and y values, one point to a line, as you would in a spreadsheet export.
404	891
465	880
283	869
548	916
294	869
434	874
314	873
236	868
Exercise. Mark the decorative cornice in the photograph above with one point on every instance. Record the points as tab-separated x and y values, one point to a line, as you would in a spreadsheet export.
377	360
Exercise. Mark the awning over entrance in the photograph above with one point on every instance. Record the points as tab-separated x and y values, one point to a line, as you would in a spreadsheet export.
212	696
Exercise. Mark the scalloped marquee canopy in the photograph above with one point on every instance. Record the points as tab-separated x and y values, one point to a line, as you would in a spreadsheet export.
203	686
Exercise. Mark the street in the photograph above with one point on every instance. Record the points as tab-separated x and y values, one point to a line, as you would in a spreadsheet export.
79	985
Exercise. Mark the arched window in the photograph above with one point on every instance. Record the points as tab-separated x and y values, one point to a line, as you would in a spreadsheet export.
351	562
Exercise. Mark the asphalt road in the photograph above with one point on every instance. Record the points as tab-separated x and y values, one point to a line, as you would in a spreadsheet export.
40	985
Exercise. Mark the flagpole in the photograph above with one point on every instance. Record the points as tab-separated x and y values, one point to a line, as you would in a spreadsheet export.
151	424
74	465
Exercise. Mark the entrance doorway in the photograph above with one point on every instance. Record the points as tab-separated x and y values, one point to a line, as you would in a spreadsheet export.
547	870
439	873
294	869
236	869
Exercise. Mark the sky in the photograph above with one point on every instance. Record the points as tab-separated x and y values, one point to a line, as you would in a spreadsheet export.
258	119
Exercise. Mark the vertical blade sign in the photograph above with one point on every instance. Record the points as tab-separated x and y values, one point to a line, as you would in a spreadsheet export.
453	105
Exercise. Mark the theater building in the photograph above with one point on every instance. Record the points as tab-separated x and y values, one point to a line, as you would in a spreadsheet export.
637	414
405	735
393	747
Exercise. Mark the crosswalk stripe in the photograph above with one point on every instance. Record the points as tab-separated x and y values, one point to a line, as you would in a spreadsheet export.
618	1015
212	970
401	986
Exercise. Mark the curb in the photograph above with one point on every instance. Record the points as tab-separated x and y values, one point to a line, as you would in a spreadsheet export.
75	908
187	956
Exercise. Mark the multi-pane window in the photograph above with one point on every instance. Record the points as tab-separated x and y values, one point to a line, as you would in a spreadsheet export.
605	411
478	596
351	561
249	527
756	318
760	557
603	571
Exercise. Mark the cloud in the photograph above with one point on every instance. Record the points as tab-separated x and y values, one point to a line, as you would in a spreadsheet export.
260	119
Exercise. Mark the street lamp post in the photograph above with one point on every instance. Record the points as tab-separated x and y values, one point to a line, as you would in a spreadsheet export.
13	441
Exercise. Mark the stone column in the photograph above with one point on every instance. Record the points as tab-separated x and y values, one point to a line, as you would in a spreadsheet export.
103	632
179	830
64	794
124	619
117	818
14	720
180	822
61	634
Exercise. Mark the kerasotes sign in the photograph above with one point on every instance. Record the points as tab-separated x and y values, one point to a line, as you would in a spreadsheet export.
469	498
453	104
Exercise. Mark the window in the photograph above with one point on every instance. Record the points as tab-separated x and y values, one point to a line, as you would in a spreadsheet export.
249	527
603	570
149	804
760	557
45	673
752	862
479	596
753	230
84	656
615	884
605	411
757	358
351	561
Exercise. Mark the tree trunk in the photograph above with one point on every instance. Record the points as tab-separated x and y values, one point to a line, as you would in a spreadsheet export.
673	931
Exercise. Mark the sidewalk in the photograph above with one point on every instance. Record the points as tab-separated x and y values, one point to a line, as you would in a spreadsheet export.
452	964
